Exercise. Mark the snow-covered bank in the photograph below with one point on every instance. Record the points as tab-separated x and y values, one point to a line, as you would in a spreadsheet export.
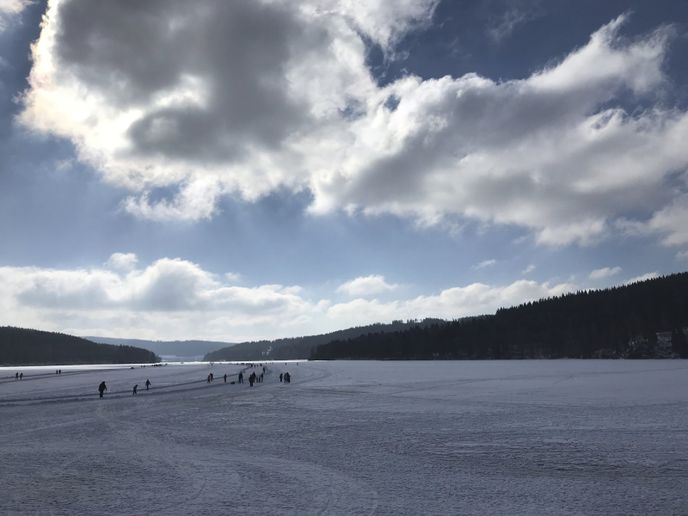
512	437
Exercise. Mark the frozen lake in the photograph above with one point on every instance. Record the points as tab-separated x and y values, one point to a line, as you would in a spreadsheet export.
497	437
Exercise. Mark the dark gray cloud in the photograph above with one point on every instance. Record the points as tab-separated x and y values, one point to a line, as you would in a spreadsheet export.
231	57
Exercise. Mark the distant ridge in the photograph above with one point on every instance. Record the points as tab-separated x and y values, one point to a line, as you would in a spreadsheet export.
301	347
21	346
178	348
647	319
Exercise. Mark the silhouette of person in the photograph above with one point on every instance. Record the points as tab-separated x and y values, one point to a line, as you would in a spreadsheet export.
225	377
102	388
148	384
133	393
241	377
16	376
21	376
281	375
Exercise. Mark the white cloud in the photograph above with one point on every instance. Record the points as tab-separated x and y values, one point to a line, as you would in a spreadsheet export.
177	299
233	277
643	277
540	152
669	222
605	272
513	17
170	298
235	112
9	9
485	264
366	286
122	261
167	285
452	303
382	21
13	6
528	269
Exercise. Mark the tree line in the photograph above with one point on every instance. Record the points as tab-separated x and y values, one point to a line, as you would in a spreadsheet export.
623	321
301	347
21	346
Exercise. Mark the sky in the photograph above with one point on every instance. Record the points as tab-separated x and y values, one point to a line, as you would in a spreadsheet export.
267	168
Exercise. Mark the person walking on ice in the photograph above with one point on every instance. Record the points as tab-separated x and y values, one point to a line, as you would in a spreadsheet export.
102	388
133	392
148	384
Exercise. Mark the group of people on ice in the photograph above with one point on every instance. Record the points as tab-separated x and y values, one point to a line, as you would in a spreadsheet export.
136	388
103	387
253	378
258	378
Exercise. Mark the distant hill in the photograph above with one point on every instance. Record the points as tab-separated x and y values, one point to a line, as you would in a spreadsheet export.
179	348
643	320
301	347
20	346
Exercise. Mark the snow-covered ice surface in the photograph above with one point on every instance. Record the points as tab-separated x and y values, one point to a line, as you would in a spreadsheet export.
494	437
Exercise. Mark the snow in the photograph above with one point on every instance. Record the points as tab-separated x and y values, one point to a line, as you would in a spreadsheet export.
468	437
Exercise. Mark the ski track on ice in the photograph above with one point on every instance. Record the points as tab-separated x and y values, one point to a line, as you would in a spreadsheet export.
85	396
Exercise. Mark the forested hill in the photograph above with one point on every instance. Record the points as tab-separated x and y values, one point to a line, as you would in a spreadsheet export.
19	346
186	349
643	320
301	347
